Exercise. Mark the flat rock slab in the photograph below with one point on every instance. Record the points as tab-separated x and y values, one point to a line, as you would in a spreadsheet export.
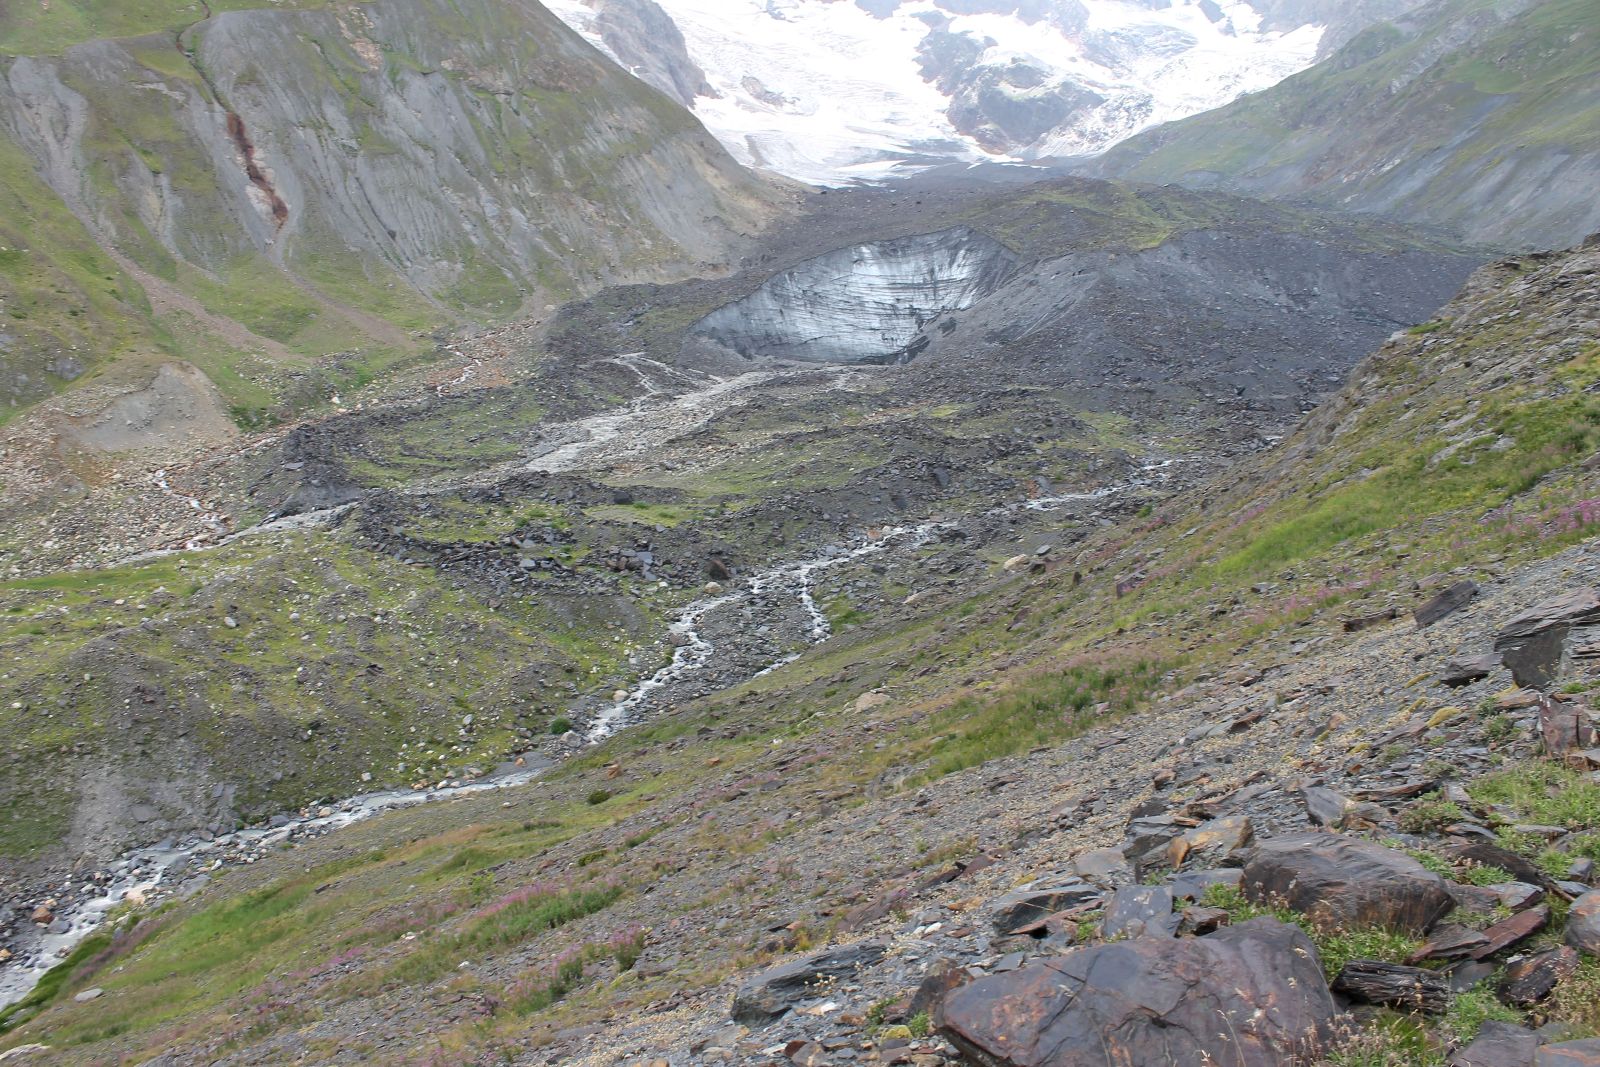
1341	883
1507	934
1445	604
1248	996
1499	1045
771	993
1015	910
1140	911
1582	606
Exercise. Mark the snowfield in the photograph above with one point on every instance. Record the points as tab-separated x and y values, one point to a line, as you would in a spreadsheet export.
826	92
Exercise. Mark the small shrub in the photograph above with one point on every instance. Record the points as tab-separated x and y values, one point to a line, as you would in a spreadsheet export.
1544	792
1577	1000
1391	1041
1431	861
1499	727
1429	815
920	1025
599	796
626	947
1371	944
560	725
1475	874
1391	753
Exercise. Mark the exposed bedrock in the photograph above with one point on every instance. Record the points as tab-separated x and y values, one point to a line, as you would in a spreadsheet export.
863	304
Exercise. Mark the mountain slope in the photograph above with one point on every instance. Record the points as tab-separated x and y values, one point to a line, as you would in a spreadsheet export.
894	782
1482	116
837	92
258	175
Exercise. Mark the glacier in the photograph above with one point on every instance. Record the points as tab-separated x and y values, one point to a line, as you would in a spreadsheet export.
865	304
833	92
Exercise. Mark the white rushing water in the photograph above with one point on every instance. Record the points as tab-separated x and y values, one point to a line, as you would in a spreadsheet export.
147	873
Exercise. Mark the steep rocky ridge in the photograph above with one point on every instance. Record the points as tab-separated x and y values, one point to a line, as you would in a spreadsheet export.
1474	115
263	165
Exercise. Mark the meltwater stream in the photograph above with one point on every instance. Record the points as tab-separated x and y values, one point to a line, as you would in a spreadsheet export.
148	873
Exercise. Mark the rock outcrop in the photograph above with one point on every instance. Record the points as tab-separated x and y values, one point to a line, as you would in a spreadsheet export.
1251	995
1345	883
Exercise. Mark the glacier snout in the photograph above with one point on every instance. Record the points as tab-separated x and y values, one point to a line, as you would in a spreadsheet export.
863	304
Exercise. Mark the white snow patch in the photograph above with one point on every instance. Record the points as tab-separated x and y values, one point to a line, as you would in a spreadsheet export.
822	91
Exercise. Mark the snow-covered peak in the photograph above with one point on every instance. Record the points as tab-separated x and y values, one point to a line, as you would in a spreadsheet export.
835	91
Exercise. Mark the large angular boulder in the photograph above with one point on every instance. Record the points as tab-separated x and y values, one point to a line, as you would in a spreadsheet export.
1534	644
1583	923
771	993
1252	995
1342	883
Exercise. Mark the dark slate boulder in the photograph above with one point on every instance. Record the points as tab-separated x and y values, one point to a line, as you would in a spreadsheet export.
1343	883
1025	907
1251	995
1499	1045
771	993
1534	644
1583	924
1446	603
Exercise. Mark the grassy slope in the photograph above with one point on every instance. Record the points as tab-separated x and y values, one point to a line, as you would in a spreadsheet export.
1456	445
340	661
1514	90
597	145
48	29
63	303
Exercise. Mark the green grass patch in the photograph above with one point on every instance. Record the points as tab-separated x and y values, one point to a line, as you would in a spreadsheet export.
1543	792
1044	709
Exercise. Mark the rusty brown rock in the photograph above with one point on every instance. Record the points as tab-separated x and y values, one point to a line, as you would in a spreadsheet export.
1583	924
1569	1054
1411	988
1530	980
1251	995
1563	726
1342	883
1509	933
